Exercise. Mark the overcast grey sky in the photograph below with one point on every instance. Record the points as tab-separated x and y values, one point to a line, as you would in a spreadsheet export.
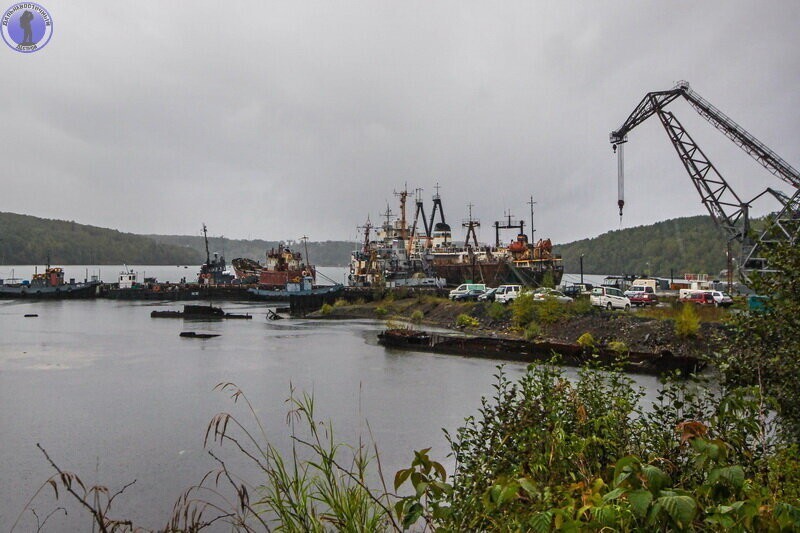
277	119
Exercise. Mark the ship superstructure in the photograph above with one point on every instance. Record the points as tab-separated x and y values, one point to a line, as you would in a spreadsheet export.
399	253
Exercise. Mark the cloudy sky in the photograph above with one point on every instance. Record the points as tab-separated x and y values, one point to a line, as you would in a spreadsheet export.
277	119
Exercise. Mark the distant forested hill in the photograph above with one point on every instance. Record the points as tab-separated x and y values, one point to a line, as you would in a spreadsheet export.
692	244
325	253
683	244
26	240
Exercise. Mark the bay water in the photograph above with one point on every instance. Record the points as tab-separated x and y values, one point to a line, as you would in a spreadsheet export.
114	395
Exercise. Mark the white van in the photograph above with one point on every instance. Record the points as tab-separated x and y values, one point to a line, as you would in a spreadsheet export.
464	288
610	298
507	293
646	282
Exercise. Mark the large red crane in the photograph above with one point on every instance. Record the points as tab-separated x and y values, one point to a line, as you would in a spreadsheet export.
729	212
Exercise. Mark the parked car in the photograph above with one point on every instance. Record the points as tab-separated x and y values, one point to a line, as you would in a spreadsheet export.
610	298
488	296
572	291
642	295
471	295
721	299
698	297
507	293
466	287
551	294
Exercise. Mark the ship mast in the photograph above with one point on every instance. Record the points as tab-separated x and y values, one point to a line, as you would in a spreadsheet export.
533	228
387	227
305	246
403	196
509	225
205	238
367	227
471	224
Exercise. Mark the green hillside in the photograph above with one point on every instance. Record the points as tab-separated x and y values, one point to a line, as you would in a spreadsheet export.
692	244
684	245
26	240
325	253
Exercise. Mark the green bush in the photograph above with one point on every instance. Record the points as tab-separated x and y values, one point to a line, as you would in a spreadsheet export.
326	309
466	321
417	316
687	324
497	311
618	347
586	341
550	453
532	331
381	311
550	310
581	306
523	310
341	302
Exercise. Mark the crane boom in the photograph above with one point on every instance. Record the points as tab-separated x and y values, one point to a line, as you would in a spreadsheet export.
657	100
726	208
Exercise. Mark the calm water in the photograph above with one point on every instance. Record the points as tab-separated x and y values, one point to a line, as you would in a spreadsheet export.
114	395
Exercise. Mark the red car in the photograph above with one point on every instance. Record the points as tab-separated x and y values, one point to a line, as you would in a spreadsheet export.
643	298
700	298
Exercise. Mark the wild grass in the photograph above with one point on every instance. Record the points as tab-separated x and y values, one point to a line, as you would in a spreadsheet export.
705	313
465	321
687	323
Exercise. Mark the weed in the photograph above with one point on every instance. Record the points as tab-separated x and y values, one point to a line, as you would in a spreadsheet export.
532	331
497	311
687	324
326	309
381	311
586	341
417	316
523	310
618	347
465	321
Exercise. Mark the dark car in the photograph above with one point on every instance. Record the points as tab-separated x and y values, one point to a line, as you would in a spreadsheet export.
573	291
487	296
469	296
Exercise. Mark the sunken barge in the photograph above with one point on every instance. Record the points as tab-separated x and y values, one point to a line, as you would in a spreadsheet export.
522	351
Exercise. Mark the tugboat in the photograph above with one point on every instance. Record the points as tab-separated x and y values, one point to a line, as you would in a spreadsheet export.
214	271
50	284
282	266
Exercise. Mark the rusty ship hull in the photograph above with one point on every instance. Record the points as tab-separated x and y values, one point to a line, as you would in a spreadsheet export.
499	272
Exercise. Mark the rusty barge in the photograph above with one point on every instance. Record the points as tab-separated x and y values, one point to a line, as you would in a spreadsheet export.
522	351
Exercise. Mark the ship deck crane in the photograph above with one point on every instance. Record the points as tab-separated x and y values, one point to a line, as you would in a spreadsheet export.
729	212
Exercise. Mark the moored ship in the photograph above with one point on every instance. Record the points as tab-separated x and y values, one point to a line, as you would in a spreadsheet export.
50	284
401	254
284	266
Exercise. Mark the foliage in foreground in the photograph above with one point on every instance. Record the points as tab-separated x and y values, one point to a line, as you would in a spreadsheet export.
543	453
548	453
767	343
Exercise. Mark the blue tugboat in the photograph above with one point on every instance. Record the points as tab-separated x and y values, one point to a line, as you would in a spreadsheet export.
302	287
